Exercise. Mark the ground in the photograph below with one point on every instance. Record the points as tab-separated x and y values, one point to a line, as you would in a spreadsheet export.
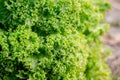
111	39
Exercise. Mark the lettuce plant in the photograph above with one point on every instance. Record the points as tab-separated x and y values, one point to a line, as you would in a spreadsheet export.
52	40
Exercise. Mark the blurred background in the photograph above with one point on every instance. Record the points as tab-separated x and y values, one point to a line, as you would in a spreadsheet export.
111	39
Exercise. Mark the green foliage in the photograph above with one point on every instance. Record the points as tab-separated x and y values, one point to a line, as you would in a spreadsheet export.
52	40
